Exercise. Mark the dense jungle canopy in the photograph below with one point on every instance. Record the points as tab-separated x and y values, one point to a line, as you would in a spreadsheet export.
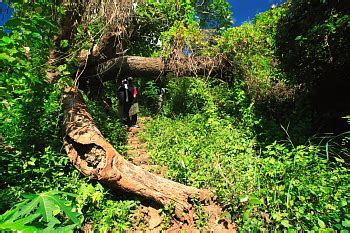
242	128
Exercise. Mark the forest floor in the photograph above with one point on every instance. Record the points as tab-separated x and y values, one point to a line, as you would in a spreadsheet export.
149	217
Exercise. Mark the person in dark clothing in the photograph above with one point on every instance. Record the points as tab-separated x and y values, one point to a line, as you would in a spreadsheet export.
134	109
127	93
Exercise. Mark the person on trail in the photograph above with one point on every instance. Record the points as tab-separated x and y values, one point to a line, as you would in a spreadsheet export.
161	97
127	94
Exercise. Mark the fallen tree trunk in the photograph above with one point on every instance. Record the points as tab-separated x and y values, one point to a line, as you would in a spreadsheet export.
153	67
92	155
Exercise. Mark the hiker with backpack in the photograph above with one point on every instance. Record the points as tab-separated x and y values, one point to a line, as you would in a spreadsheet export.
127	93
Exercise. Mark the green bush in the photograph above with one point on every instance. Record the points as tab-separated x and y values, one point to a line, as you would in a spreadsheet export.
281	188
188	96
274	188
300	189
103	210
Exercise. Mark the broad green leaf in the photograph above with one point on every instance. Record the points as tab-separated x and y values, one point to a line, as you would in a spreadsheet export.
69	228
20	225
346	223
46	208
321	223
26	209
38	208
255	201
67	209
51	225
7	215
285	223
6	40
28	219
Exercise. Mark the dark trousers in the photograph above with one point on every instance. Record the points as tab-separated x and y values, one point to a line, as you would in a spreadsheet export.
134	119
125	113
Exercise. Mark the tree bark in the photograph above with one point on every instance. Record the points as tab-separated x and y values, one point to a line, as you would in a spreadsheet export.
153	67
93	156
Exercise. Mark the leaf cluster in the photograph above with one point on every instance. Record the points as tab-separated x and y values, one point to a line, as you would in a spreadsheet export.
42	212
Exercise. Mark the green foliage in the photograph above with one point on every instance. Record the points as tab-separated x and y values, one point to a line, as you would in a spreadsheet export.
214	14
210	98
31	139
209	14
188	40
168	213
275	188
299	190
271	97
30	108
201	217
156	17
149	98
285	189
313	46
199	138
316	43
42	212
207	132
108	122
102	210
188	96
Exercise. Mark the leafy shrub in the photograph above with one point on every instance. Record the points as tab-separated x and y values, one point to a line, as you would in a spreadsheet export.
109	123
313	46
299	190
31	136
30	108
282	189
102	210
42	212
274	188
188	96
266	93
201	151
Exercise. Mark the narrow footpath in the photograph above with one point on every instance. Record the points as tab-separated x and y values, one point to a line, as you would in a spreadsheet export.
137	150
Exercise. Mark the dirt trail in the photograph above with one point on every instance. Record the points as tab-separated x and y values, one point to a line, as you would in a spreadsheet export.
137	151
150	219
147	218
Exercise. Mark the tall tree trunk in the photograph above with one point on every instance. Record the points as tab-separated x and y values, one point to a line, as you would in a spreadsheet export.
92	155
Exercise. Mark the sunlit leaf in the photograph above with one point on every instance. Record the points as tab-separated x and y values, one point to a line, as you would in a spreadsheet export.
39	208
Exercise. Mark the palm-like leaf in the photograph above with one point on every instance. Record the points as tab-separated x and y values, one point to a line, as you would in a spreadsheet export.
40	212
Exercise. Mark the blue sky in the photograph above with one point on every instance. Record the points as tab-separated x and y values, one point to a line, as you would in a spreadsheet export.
5	12
245	10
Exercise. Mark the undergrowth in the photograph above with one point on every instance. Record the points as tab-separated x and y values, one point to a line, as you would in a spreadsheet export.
39	188
277	187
